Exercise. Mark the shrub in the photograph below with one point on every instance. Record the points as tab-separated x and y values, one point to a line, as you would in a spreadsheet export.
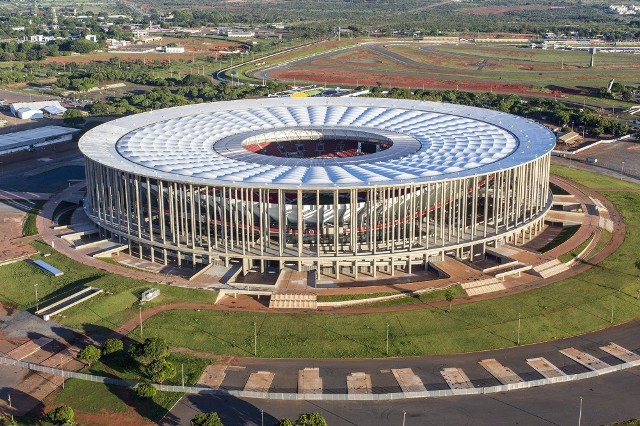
146	390
61	415
206	419
111	346
89	354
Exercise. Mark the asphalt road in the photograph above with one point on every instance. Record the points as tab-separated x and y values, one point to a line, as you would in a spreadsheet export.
606	399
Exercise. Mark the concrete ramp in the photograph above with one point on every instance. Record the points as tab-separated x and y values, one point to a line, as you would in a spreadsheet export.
585	359
503	374
259	382
309	381
359	384
456	378
621	353
545	368
66	303
408	380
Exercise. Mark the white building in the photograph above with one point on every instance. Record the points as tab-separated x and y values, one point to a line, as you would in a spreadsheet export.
29	139
91	37
22	109
173	49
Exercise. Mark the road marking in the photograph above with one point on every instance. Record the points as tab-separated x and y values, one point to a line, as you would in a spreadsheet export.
589	361
544	367
309	381
456	378
359	383
505	375
407	380
621	353
259	381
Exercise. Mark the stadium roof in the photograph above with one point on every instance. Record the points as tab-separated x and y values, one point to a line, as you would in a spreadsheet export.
203	143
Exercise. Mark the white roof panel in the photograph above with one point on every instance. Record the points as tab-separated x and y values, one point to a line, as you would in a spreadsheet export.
203	143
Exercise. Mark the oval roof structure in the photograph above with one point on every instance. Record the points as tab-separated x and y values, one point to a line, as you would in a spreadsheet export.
203	143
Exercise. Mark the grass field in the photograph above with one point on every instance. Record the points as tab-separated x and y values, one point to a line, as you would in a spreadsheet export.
90	397
117	304
576	305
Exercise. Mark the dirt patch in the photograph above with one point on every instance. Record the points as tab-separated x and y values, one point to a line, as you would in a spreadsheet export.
501	10
336	76
10	228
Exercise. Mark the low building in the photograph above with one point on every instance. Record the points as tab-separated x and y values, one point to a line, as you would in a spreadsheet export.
240	34
570	138
37	106
173	49
29	139
29	114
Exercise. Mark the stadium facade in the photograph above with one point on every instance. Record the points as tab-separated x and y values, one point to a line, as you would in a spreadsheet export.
340	185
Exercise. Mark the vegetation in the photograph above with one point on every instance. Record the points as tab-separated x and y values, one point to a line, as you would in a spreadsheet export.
112	346
146	390
449	295
29	226
206	419
89	354
152	349
61	415
305	419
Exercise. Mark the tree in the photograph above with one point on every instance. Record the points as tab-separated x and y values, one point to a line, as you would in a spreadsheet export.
89	354
284	422
449	295
73	117
160	370
146	390
152	349
111	346
311	419
61	415
206	419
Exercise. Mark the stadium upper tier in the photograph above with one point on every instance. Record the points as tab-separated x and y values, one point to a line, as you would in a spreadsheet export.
214	143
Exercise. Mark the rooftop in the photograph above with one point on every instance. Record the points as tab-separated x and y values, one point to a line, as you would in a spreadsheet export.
203	143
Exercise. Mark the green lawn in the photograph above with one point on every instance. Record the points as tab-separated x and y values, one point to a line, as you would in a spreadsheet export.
29	225
90	397
117	304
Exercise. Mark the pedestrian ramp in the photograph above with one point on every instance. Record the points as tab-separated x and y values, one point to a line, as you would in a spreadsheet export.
259	381
489	285
621	353
585	359
359	384
456	378
28	348
408	381
545	368
309	381
503	374
548	269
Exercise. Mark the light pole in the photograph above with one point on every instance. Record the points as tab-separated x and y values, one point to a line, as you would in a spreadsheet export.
140	321
255	338
622	170
404	417
37	307
262	417
518	329
580	413
387	339
62	369
182	368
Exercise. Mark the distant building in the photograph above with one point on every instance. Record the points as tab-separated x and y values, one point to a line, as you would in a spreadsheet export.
570	138
29	139
31	110
91	37
240	34
173	49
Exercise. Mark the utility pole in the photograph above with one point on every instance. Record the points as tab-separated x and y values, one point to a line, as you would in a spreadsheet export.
387	339
580	413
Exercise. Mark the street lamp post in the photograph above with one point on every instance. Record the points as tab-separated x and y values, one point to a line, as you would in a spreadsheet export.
255	338
387	339
404	417
518	329
37	307
580	413
140	316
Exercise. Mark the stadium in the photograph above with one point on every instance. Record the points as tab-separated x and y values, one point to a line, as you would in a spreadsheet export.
353	186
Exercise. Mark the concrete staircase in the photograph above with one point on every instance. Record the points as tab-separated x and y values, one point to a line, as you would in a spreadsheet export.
548	269
489	285
293	301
